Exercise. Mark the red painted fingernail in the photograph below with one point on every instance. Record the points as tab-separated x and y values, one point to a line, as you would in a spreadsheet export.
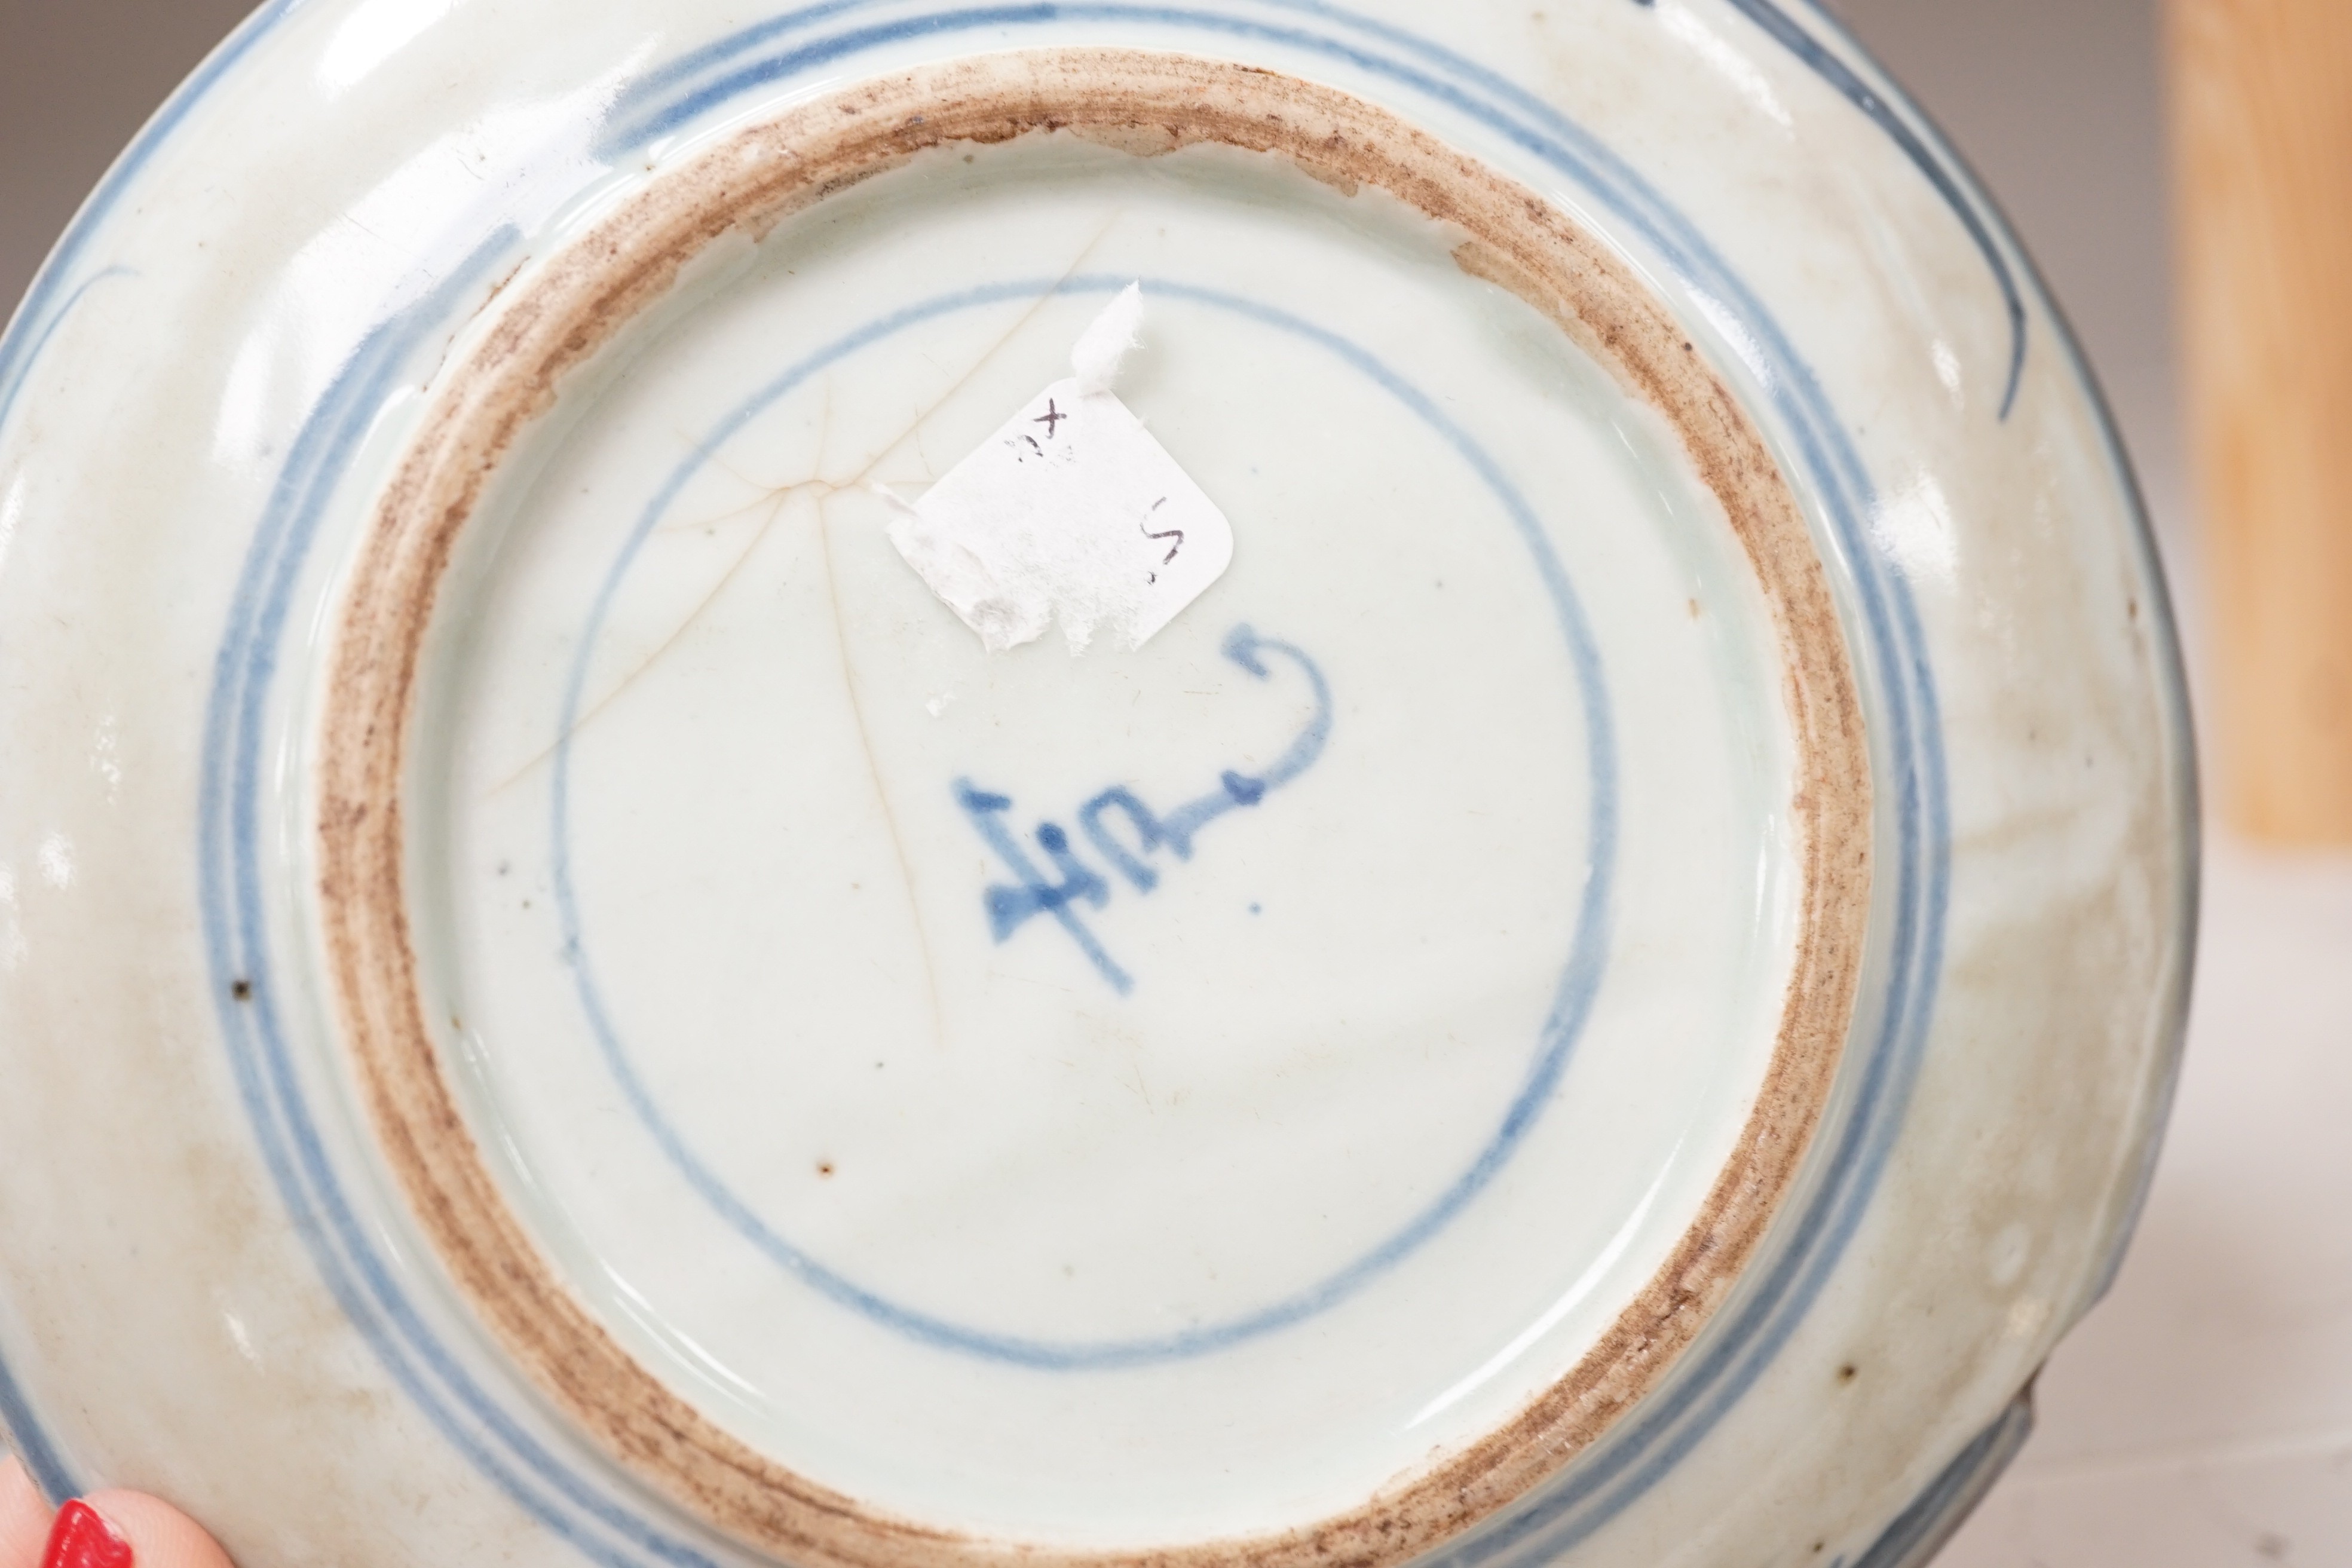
82	1538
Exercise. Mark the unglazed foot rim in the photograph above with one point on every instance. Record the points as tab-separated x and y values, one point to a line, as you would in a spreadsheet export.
554	319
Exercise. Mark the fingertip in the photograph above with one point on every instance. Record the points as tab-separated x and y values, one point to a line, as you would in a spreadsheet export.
24	1516
161	1536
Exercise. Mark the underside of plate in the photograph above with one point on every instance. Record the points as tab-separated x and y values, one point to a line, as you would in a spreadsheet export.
1600	992
1273	1096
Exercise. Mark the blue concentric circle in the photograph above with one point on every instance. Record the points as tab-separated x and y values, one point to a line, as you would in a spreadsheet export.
1572	998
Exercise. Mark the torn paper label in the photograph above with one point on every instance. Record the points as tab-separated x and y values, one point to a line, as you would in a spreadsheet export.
1071	512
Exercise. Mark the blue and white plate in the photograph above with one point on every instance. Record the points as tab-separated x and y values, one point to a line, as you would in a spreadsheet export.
1602	992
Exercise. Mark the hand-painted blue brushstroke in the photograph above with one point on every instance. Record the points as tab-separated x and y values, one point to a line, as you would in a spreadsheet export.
650	86
1932	1518
1573	998
1783	29
1247	648
626	134
1235	790
1142	821
1011	907
29	1443
16	362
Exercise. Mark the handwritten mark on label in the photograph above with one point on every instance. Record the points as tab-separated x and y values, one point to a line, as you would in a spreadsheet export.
1125	831
1071	512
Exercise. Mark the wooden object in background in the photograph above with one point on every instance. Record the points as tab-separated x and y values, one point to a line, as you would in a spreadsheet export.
2261	103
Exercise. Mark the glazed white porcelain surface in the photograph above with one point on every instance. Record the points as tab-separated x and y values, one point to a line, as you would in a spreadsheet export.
1261	1169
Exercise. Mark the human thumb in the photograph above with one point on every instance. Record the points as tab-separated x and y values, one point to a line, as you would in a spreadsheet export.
106	1530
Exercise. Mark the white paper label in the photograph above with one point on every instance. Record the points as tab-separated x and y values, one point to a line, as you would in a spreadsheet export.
1071	512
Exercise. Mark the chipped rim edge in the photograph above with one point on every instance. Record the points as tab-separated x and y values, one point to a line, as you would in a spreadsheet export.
582	297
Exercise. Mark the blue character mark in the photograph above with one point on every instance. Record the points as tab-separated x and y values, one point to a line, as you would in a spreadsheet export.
1010	909
1126	832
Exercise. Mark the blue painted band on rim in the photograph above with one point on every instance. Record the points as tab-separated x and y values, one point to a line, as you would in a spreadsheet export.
31	1444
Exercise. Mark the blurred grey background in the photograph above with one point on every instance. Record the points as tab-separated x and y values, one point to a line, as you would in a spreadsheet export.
78	78
2202	1416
